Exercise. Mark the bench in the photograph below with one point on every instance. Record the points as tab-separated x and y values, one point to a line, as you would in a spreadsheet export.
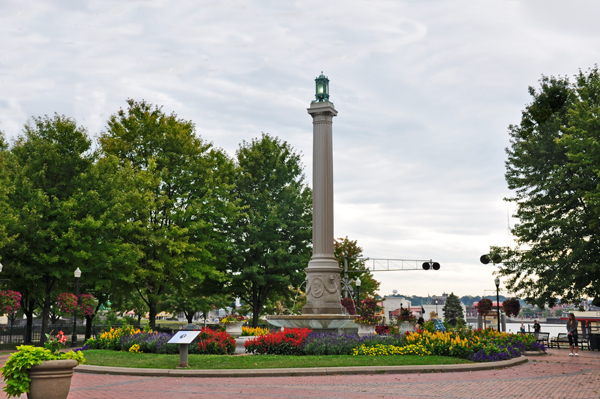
562	338
542	337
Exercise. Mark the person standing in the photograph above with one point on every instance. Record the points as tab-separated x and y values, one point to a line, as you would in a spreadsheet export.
572	334
522	327
536	327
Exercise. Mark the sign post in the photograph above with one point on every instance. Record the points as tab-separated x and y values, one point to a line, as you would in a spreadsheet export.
183	339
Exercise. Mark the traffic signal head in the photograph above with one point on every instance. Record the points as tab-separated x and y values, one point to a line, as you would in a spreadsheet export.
431	265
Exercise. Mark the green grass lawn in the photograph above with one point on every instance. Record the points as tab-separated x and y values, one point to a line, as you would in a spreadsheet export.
151	360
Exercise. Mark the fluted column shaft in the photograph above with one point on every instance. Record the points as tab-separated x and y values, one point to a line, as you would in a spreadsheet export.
323	285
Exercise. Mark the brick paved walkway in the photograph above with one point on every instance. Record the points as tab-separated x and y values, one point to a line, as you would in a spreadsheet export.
554	376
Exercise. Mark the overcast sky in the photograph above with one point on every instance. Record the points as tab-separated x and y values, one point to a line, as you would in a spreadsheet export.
425	92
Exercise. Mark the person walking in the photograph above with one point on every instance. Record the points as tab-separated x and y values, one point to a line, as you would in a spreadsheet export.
572	334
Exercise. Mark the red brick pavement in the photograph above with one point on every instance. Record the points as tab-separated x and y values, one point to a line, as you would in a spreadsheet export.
556	375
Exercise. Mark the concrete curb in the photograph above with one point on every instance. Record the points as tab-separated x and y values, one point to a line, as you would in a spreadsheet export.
300	371
535	353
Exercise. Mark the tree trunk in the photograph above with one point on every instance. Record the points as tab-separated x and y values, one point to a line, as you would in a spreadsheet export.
46	307
88	326
190	317
45	319
28	306
152	314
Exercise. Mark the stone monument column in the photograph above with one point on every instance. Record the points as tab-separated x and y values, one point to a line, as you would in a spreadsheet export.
323	287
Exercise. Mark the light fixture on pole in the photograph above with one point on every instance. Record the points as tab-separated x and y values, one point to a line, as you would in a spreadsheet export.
497	282
358	283
74	337
436	311
322	89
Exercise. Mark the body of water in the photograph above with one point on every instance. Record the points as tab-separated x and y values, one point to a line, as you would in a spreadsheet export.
553	329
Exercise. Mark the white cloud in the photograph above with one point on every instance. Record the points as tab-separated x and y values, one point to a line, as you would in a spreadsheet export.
425	92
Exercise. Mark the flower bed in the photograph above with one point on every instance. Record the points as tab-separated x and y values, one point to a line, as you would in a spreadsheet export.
475	345
287	342
132	340
344	344
388	350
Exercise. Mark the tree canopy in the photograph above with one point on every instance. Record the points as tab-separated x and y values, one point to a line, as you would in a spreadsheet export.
452	310
356	266
272	237
553	167
178	207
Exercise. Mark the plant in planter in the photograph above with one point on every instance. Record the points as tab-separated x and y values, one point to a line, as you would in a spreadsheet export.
405	321
232	318
368	319
42	373
10	302
483	307
511	307
233	324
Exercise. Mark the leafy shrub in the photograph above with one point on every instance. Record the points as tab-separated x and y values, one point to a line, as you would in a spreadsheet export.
290	341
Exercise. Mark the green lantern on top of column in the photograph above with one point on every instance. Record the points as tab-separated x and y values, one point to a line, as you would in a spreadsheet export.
322	88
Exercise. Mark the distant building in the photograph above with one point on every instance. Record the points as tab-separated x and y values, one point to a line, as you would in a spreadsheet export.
394	303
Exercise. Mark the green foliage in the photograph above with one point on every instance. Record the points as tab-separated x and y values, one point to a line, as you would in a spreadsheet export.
272	238
341	246
177	206
16	369
553	167
452	310
48	166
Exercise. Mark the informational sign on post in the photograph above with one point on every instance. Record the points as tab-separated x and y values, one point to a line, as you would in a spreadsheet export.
183	339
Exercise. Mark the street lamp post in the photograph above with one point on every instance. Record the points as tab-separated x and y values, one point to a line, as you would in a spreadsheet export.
74	338
358	283
436	311
497	282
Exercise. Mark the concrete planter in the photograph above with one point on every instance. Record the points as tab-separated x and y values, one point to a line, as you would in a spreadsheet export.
365	329
406	326
51	379
239	344
234	329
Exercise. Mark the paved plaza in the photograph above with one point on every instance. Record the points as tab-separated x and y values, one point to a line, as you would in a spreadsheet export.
556	375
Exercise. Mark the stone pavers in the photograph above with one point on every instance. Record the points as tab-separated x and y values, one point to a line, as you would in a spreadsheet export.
556	375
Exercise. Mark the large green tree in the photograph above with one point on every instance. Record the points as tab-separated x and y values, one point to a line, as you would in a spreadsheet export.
273	236
7	187
356	266
554	168
49	163
178	207
452	310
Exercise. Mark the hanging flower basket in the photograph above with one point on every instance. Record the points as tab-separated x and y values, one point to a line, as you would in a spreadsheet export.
10	302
